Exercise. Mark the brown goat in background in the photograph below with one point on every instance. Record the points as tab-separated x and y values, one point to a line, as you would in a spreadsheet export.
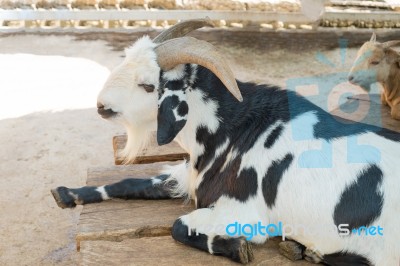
378	62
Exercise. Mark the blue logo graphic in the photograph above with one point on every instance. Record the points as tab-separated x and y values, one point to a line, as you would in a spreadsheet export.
368	231
331	92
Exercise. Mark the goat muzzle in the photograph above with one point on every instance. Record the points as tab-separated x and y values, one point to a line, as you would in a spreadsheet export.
105	113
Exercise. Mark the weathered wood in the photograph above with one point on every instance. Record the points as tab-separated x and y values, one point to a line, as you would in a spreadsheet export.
165	251
106	175
371	111
153	153
116	220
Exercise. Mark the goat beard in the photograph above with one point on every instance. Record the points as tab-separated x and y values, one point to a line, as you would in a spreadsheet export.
138	140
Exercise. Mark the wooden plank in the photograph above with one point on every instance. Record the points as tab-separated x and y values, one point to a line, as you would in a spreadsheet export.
370	111
165	251
153	153
106	175
119	219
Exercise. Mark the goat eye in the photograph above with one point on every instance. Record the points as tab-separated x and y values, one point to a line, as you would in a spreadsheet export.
148	87
374	62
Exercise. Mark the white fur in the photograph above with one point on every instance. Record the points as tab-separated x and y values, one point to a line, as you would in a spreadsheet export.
181	174
103	193
229	158
175	74
137	109
155	181
208	117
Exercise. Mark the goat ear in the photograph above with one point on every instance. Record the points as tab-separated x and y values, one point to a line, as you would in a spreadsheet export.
373	37
172	116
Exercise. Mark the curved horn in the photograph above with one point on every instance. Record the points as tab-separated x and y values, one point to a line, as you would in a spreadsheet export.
373	37
182	28
190	50
390	44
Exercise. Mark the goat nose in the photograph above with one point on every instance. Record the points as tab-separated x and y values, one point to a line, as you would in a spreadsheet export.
100	105
351	77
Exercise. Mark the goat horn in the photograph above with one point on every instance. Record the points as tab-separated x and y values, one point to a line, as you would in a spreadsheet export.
182	28
390	44
373	37
187	50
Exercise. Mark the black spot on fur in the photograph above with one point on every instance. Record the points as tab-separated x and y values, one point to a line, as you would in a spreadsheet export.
216	183
360	204
183	109
272	178
175	85
388	134
331	127
273	136
167	126
172	101
345	259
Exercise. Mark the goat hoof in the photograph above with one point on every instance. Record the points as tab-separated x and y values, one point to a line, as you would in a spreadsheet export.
312	256
63	198
291	250
244	252
250	253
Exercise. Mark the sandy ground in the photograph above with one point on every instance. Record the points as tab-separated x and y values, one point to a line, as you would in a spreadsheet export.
50	132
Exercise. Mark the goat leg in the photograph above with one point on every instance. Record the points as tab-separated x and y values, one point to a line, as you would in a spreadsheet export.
131	188
188	230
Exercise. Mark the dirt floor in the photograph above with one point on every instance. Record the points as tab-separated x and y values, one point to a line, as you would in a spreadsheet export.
50	132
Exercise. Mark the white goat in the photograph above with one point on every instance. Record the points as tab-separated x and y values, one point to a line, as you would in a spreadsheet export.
273	164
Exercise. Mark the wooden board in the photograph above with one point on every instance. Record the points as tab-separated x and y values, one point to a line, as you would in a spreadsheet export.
116	220
153	153
165	251
367	108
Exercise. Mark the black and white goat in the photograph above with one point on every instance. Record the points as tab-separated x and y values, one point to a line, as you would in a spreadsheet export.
270	158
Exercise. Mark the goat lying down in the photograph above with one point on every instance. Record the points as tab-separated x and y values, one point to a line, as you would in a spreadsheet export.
266	157
378	62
